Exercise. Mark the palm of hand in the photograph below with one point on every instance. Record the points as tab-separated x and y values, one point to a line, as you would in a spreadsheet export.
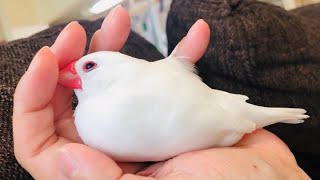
251	158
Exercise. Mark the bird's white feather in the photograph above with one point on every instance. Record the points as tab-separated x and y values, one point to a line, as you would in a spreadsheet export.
134	110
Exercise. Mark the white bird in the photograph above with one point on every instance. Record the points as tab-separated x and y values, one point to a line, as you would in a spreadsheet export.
135	110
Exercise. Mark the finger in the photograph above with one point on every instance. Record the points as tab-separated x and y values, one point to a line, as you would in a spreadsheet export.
77	161
173	176
33	126
68	47
67	129
137	177
193	46
263	139
36	87
132	168
114	31
70	44
61	103
152	169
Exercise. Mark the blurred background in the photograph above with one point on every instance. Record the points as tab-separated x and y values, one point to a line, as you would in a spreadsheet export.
22	18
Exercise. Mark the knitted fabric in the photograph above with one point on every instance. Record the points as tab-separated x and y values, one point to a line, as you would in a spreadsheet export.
14	60
262	51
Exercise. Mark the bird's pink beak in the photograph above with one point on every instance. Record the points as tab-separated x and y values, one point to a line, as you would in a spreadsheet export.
68	77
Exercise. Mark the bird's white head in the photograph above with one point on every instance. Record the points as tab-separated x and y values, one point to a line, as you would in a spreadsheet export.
93	70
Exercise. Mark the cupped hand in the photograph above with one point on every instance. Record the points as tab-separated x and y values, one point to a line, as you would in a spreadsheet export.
47	145
42	120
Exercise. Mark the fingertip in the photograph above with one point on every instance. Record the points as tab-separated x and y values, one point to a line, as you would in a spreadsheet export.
44	59
117	14
70	44
204	30
116	24
95	42
43	53
201	27
193	46
36	87
204	25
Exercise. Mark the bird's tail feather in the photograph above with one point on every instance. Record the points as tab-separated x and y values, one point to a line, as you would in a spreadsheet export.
261	116
265	116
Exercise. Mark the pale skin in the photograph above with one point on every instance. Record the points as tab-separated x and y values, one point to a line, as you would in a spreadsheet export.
47	145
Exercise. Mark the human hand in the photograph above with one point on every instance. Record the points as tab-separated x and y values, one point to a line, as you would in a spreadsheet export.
48	146
43	125
259	155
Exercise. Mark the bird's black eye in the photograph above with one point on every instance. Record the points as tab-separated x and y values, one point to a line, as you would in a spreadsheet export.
88	66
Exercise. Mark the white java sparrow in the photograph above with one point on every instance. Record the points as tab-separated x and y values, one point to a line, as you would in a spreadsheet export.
135	110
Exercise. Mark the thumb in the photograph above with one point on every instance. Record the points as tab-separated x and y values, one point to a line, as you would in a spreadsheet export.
77	161
194	44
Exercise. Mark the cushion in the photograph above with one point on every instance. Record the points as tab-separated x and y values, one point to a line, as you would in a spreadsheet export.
265	52
14	60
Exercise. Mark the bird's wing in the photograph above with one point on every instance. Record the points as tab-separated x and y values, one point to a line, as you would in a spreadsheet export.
128	105
227	95
176	110
229	104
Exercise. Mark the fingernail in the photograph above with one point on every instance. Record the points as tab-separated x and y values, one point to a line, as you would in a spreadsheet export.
177	52
62	33
110	16
176	49
67	163
145	173
113	12
34	63
191	30
68	26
